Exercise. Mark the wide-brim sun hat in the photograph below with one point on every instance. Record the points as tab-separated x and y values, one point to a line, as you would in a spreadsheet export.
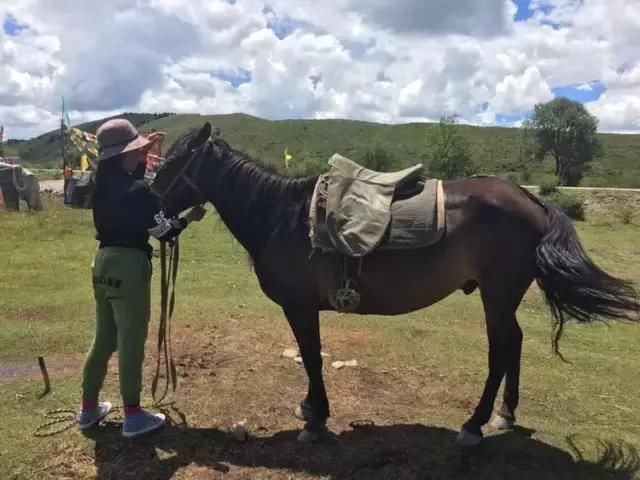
118	136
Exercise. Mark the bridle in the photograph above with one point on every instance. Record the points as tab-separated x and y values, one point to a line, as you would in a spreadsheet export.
188	181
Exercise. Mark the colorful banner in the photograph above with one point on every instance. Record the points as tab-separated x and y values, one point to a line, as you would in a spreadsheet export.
84	162
85	142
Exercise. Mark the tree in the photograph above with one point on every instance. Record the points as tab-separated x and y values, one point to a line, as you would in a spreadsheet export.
377	158
449	155
564	129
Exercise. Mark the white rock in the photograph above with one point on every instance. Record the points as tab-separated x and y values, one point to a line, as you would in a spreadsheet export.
239	431
290	353
298	359
338	365
351	363
324	355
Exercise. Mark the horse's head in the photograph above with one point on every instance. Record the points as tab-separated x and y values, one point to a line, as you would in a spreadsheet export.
182	179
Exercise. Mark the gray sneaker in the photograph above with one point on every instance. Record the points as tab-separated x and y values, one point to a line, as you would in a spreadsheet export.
141	422
90	416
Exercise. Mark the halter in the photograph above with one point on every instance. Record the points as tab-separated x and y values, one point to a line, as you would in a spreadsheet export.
187	180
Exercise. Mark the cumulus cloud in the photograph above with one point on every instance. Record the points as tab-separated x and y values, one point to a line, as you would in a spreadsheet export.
384	61
486	18
521	92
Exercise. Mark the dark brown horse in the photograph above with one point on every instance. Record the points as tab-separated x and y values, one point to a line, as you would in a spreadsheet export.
499	238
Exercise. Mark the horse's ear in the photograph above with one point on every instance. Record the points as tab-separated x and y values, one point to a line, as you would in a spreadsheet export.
203	135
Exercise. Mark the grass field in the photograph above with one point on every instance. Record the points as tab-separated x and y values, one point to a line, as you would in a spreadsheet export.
417	379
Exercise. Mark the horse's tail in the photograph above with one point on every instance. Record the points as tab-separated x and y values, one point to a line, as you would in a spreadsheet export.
573	284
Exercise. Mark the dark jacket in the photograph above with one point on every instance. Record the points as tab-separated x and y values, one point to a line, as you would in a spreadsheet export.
126	211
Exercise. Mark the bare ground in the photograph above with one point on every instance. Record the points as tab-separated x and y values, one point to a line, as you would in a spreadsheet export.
377	431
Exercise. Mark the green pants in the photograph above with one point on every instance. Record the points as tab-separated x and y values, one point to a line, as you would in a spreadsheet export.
121	285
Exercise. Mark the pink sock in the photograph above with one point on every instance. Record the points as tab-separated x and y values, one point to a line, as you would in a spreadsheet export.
132	409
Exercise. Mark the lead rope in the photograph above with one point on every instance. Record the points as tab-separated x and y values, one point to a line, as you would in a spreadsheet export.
168	278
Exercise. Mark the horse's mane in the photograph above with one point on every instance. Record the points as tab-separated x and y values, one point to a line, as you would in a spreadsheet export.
265	201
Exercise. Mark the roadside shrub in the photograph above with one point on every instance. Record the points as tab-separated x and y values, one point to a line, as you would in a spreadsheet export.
548	186
571	205
626	214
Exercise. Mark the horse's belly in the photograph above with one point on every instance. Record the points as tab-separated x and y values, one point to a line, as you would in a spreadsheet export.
396	284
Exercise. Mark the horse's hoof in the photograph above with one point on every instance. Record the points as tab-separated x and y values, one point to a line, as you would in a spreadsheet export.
502	423
306	436
302	413
467	439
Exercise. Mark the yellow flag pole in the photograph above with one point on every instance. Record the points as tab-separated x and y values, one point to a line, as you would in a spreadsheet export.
287	157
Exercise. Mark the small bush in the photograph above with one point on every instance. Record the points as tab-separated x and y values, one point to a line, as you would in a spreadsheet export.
526	176
571	205
548	187
626	214
513	177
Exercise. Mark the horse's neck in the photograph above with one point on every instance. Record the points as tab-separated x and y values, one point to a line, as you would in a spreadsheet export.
235	197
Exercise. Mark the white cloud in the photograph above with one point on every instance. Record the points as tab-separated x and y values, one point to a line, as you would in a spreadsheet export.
521	92
382	61
617	112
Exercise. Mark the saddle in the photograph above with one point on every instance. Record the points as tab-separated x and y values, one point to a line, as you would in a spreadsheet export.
355	210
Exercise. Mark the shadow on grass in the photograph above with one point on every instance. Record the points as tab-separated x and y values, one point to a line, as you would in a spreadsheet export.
365	452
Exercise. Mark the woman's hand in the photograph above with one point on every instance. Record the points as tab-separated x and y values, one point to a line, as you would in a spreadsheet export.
154	136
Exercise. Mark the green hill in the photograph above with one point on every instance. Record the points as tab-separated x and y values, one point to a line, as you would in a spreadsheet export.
45	149
312	142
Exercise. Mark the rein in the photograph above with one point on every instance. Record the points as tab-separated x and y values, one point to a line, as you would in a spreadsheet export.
168	276
169	261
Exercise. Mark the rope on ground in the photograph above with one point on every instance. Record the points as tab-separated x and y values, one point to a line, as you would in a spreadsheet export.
64	419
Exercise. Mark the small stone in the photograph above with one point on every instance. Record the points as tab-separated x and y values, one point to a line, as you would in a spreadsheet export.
298	359
351	363
324	355
290	353
338	365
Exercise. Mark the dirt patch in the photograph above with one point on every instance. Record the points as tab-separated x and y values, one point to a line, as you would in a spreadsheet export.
340	340
55	366
29	314
377	429
598	203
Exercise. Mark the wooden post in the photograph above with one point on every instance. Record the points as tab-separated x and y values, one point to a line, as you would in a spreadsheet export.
45	376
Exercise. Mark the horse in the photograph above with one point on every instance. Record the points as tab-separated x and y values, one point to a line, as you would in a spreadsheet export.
499	238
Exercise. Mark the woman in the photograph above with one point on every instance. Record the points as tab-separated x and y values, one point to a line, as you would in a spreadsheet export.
125	212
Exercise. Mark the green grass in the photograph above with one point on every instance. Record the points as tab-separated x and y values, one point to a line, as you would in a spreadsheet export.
496	150
418	375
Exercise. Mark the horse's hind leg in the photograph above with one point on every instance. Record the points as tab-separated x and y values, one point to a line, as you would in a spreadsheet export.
500	302
506	416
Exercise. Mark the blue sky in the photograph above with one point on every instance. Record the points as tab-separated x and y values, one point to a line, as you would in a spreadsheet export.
11	26
236	78
524	9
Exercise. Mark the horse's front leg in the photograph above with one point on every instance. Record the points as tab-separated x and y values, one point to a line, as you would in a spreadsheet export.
314	409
